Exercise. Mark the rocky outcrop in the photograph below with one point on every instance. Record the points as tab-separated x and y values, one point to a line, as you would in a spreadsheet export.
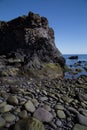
73	57
31	39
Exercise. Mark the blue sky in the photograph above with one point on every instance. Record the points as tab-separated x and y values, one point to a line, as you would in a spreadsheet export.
68	18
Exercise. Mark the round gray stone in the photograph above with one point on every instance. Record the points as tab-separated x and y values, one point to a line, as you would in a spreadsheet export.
59	107
23	114
43	115
61	114
29	106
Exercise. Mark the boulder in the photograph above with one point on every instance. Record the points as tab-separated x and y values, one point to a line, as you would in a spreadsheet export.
29	124
73	57
30	40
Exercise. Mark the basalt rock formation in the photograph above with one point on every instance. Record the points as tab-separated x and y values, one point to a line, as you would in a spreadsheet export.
30	39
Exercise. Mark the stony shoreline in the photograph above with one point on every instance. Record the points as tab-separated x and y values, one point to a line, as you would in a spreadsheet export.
60	104
34	95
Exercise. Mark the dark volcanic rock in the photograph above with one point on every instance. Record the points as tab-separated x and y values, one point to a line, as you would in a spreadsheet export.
32	38
73	57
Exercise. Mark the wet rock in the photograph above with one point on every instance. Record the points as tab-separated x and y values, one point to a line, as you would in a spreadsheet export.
43	115
79	70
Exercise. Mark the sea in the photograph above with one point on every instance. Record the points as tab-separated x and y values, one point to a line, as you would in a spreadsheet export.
74	64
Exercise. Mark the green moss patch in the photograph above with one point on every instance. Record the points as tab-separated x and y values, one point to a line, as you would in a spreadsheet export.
49	70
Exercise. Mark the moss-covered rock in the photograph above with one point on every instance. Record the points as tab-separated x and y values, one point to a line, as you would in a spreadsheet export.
49	71
29	124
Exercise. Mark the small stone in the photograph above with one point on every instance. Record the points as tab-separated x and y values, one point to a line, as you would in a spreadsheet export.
17	110
48	108
4	94
29	106
53	113
13	89
35	102
59	107
67	99
23	114
43	99
83	104
61	114
44	92
8	117
79	127
53	125
2	104
37	90
22	101
2	122
12	100
58	123
6	108
43	115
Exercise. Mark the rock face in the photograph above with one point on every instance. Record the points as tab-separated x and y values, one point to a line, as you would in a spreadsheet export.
32	38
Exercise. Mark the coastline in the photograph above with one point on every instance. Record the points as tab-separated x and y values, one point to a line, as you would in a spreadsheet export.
77	67
24	99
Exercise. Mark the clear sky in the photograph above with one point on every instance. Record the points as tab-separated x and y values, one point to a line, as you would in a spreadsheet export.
68	18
